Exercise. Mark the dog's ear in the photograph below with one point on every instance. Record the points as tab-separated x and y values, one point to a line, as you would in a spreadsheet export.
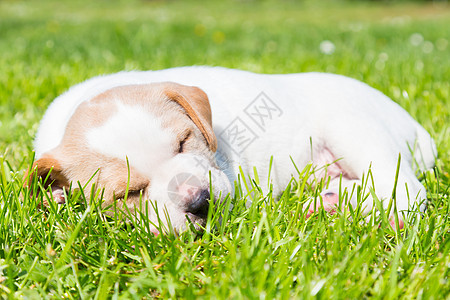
49	171
196	104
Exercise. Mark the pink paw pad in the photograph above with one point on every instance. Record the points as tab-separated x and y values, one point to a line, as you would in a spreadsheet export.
58	196
401	224
329	199
155	231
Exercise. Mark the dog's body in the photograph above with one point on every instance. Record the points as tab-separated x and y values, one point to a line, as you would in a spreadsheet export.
329	120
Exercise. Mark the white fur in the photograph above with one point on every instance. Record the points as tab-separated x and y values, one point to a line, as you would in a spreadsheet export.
135	140
316	112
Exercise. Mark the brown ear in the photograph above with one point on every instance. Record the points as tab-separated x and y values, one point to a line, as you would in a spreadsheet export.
50	172
196	104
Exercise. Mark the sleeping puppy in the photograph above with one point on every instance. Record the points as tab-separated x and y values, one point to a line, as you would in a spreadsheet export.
164	135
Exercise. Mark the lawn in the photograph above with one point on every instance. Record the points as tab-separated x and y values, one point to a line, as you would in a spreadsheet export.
268	250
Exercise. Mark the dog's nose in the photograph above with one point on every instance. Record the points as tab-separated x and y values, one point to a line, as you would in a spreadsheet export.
199	205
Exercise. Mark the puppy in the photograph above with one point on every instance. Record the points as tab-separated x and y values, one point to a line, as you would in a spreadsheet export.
164	135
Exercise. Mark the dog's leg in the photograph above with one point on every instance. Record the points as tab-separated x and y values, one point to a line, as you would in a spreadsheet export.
379	176
341	192
58	195
382	179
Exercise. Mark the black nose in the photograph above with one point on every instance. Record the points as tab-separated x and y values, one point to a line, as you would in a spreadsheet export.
200	205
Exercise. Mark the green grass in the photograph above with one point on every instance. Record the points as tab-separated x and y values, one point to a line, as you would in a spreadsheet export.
269	249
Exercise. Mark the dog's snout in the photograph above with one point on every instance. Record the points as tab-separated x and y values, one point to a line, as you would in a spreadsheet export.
199	205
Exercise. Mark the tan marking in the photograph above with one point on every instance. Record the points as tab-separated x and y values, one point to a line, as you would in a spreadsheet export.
180	109
152	97
111	174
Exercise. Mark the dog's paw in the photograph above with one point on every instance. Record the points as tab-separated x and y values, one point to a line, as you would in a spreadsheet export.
330	201
401	224
58	196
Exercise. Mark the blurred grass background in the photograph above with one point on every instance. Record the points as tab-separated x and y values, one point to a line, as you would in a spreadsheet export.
399	47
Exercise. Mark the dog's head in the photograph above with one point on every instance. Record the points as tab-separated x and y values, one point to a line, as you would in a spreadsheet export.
143	142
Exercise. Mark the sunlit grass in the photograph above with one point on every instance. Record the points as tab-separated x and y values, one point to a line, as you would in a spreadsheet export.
265	250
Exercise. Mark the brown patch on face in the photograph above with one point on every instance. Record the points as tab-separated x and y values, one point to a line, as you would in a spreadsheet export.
153	98
90	114
183	110
79	163
91	169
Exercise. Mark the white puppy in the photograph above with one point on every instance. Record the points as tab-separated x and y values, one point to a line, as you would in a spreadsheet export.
180	127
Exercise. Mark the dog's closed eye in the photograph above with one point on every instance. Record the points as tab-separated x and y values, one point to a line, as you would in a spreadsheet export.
130	194
186	136
135	193
135	190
